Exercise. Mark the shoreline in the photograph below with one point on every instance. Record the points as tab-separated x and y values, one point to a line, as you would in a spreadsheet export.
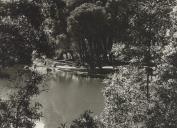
53	66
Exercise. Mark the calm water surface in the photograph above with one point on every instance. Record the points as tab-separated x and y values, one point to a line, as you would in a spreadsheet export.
67	97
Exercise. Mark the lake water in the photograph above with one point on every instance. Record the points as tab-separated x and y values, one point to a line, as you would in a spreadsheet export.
67	97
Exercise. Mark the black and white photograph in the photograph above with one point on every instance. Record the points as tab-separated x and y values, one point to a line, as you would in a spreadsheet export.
88	63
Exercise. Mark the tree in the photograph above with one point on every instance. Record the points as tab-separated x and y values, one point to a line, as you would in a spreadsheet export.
125	98
85	121
163	113
30	9
21	33
55	11
120	13
72	4
145	91
88	26
55	24
18	111
148	23
152	23
12	47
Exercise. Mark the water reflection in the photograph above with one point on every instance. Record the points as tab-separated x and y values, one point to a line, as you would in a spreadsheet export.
70	95
67	97
39	124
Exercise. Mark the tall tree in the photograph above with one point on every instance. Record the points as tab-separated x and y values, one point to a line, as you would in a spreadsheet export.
163	112
88	26
153	20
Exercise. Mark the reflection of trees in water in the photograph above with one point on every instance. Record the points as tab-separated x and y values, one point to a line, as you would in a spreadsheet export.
18	111
68	78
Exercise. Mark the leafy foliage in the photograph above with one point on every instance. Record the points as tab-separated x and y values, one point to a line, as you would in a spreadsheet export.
88	26
145	92
85	121
20	32
18	111
163	112
125	98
